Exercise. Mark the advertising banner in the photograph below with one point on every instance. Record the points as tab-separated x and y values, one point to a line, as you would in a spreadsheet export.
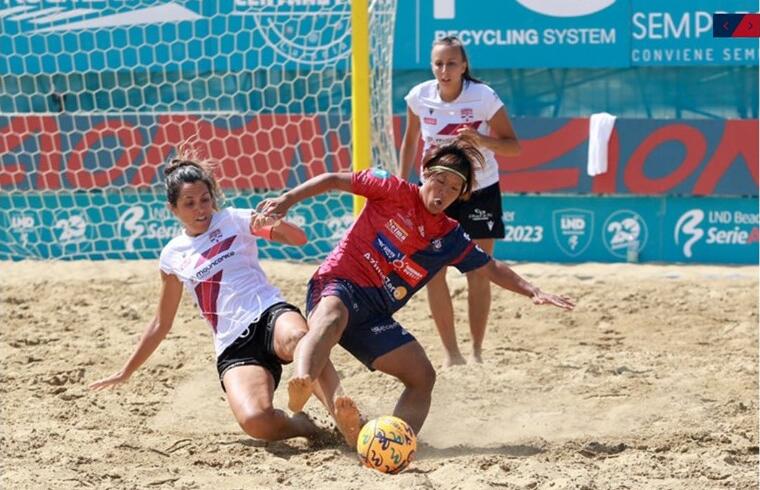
67	152
136	225
60	36
538	228
517	33
574	34
680	33
639	229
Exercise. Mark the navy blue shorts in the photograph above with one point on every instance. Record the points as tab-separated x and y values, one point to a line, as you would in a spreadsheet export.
370	332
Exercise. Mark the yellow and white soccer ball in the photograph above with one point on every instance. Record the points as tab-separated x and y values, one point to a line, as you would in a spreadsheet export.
387	444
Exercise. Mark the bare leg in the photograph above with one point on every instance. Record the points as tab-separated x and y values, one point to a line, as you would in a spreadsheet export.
411	366
442	310
326	325
249	392
342	408
479	303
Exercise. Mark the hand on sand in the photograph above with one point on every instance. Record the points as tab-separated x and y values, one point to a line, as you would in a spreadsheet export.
542	298
109	382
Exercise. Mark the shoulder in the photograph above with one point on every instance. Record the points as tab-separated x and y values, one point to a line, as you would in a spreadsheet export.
172	250
480	89
422	90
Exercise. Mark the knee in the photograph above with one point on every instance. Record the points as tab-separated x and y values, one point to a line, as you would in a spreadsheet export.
258	423
292	337
478	278
423	379
330	323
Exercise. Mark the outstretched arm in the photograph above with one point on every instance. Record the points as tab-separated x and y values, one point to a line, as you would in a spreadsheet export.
155	332
276	208
501	274
408	150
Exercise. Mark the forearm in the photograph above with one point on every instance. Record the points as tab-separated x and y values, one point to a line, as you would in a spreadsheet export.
501	146
316	186
288	234
150	340
406	159
502	275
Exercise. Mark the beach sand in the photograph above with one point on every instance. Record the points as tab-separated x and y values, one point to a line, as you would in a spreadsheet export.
652	382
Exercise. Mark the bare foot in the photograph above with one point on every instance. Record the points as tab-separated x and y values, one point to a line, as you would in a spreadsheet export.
348	419
299	391
476	358
453	360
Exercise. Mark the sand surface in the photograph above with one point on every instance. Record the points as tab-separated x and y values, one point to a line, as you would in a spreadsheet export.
651	383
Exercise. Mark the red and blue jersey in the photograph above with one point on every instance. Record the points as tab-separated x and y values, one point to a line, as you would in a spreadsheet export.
396	245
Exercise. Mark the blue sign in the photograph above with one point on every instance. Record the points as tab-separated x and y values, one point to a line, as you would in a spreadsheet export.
97	225
517	33
571	34
60	36
615	229
680	32
101	225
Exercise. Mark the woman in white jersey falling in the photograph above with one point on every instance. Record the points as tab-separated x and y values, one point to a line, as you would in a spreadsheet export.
255	330
452	104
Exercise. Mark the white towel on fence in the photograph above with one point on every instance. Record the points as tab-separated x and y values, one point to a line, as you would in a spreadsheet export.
599	130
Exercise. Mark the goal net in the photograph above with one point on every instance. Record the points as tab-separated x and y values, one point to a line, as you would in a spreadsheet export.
96	97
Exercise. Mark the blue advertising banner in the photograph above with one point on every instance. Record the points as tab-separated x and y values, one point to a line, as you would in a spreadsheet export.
567	34
641	229
100	226
517	33
680	32
59	36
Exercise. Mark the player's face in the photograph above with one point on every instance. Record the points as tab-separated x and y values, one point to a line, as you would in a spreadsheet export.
448	66
440	190
194	207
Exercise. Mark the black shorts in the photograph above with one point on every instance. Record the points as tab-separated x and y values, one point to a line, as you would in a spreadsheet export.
480	216
255	346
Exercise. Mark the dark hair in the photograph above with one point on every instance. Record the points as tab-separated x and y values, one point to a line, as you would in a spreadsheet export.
188	167
455	42
462	156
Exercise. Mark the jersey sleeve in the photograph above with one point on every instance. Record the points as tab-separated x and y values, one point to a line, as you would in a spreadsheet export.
413	100
472	256
376	184
165	259
241	218
492	102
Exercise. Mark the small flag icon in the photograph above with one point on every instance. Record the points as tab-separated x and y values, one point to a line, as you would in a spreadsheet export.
736	25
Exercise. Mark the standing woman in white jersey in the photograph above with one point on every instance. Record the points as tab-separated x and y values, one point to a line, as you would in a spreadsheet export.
452	104
255	331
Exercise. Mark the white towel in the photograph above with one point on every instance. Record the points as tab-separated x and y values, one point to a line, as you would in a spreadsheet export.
599	130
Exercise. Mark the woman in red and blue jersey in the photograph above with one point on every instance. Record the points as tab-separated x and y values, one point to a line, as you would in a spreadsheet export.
398	243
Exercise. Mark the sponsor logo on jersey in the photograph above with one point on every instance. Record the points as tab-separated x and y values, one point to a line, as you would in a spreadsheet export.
430	120
215	235
397	230
467	114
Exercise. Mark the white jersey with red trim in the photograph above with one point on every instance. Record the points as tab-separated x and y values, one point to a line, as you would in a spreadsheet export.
221	269
440	120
